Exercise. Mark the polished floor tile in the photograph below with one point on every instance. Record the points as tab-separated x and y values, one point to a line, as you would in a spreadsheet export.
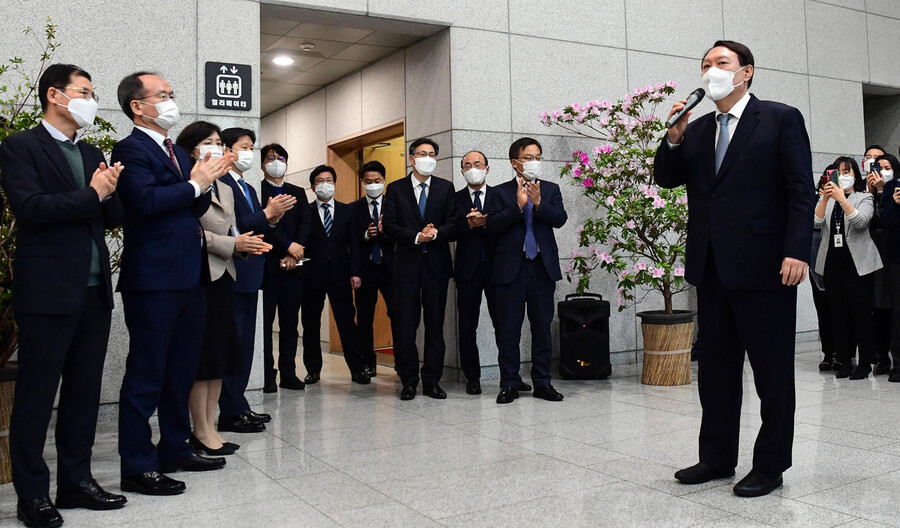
339	454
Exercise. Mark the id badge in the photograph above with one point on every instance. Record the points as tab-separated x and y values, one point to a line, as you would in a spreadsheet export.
838	240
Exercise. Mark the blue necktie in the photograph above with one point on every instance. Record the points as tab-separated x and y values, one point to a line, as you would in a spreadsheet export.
422	199
326	217
722	144
246	190
531	249
477	204
376	247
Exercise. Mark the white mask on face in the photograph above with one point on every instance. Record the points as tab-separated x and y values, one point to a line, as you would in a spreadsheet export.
324	191
82	110
425	166
531	170
719	83
276	168
887	174
214	151
475	176
374	190
168	114
847	181
244	161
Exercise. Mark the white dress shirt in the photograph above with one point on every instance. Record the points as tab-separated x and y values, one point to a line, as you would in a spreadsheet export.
372	211
159	139
56	134
418	191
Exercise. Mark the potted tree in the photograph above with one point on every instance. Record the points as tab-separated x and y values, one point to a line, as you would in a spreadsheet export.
639	231
20	110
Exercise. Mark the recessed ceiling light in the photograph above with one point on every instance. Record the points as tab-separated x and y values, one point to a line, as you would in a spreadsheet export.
307	46
283	60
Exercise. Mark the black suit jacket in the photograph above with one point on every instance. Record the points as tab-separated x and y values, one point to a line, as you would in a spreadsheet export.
363	219
163	246
250	271
507	223
294	226
333	258
56	222
402	222
759	208
471	243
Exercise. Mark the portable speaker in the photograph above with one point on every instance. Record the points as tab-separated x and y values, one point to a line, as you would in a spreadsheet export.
584	337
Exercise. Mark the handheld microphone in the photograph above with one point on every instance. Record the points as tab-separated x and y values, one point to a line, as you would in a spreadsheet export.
692	101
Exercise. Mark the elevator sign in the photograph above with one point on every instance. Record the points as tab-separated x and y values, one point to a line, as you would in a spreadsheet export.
228	86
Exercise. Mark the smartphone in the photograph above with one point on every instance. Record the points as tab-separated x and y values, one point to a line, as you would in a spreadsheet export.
823	180
835	177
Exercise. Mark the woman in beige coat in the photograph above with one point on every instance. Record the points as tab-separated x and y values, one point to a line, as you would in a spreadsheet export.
220	354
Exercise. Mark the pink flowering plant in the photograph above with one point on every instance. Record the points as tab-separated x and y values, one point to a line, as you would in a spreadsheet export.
639	232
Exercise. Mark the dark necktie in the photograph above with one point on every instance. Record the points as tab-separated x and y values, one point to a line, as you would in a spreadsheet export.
376	246
478	200
423	198
171	150
531	249
244	187
326	219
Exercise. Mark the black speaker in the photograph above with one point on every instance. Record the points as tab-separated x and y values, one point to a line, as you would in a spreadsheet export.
584	337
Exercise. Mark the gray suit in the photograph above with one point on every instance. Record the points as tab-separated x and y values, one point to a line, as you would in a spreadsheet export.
217	223
862	248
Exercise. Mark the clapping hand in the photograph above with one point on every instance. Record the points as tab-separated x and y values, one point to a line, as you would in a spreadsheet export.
105	179
252	244
476	219
210	169
277	206
533	190
427	234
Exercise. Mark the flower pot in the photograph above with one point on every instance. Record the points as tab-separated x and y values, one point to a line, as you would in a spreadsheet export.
7	389
667	347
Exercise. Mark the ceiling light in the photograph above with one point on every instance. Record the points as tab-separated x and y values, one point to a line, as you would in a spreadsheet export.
307	46
283	60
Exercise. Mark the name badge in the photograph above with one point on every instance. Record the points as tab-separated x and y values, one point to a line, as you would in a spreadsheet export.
838	240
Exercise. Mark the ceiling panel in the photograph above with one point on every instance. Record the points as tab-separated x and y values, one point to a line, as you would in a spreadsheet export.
337	67
276	26
323	48
295	90
326	32
394	40
301	62
361	52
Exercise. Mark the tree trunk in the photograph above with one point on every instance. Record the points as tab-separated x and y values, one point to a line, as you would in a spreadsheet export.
667	297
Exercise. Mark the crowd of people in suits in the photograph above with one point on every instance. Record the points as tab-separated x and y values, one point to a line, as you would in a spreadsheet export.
199	244
855	266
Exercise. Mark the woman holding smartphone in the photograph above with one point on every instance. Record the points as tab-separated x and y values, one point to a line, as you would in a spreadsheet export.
889	211
847	258
823	314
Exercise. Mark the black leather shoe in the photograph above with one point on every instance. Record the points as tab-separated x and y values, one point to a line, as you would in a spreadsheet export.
757	484
152	483
524	387
258	417
861	371
270	387
507	394
843	371
203	449
361	378
548	393
434	391
311	379
825	366
229	445
894	376
239	424
408	393
294	383
193	462
836	366
473	387
91	496
38	512
882	368
370	371
702	472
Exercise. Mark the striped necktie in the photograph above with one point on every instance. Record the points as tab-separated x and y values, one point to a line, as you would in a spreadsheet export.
326	219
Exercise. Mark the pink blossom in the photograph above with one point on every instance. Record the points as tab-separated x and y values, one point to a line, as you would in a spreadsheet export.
610	201
587	183
658	272
556	115
659	203
605	257
679	272
577	173
570	266
579	229
620	302
629	224
640	266
623	275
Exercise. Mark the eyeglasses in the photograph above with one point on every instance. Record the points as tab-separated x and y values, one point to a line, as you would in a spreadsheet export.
423	154
162	96
271	158
86	93
530	158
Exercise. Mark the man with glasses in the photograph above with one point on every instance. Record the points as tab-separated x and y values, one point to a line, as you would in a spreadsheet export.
522	214
162	276
63	196
421	217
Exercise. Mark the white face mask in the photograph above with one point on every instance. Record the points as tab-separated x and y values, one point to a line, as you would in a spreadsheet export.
82	110
719	83
276	168
847	181
214	151
168	114
425	166
531	170
324	191
887	174
244	161
475	176
374	190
